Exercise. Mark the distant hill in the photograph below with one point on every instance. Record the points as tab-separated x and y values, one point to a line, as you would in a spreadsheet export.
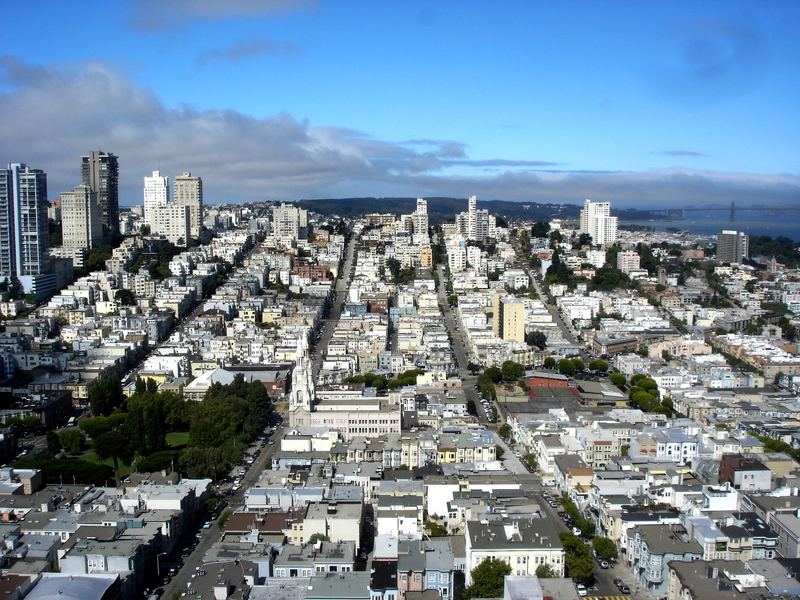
442	209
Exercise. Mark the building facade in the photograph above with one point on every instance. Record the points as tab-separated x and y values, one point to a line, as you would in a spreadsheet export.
156	194
100	171
596	220
189	193
732	246
82	220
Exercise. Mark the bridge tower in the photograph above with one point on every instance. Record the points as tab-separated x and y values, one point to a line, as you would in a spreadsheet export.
733	210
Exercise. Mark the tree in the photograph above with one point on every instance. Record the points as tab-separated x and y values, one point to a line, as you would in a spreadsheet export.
598	365
53	442
532	462
617	379
114	445
578	557
494	374
549	363
72	440
504	431
125	297
318	537
566	367
488	579
95	426
512	370
499	451
105	395
545	571
537	339
605	548
578	364
540	229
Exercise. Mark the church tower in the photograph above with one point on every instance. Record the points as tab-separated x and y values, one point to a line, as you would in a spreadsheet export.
303	393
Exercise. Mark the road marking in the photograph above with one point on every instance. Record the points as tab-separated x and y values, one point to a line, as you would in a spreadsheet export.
618	597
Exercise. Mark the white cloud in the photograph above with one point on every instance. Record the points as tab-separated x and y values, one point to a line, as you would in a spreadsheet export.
50	117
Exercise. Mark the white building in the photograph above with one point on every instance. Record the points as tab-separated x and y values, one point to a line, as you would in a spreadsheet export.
628	261
596	220
171	221
156	193
289	223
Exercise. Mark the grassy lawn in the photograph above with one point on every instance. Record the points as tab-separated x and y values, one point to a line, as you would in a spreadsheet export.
177	439
90	456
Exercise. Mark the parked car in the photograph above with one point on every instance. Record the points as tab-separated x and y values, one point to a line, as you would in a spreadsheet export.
581	589
618	582
625	589
603	564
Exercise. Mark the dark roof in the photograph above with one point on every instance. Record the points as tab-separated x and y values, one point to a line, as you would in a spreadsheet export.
384	575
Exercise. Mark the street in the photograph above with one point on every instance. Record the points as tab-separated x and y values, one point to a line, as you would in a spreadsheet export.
457	345
209	536
340	296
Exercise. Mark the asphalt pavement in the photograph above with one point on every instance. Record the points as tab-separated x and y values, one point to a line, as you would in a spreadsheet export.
328	327
207	537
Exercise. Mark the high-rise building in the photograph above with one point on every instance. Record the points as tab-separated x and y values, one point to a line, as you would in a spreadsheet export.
82	221
171	221
628	261
24	236
732	246
419	221
508	320
596	220
289	223
188	192
475	224
156	193
100	171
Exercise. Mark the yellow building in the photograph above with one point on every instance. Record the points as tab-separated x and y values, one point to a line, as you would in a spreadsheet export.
508	320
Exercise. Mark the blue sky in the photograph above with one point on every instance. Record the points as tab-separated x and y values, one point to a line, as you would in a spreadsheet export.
648	103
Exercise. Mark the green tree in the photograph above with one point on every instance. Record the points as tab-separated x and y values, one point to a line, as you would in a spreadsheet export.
72	440
488	579
318	537
499	451
532	462
105	395
53	442
545	571
578	364
494	374
511	371
537	339
114	445
549	363
125	297
605	548
617	379
504	431
578	557
598	365
94	426
566	367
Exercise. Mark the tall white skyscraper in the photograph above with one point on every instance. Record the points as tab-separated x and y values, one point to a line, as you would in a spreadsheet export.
24	238
596	220
189	192
289	223
156	193
476	222
419	220
82	219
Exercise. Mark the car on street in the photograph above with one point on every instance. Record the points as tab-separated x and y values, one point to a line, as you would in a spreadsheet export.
618	582
581	589
625	589
207	525
603	564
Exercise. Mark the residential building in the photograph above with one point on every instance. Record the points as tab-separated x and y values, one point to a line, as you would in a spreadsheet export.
508	321
173	222
24	237
523	545
100	171
628	260
156	194
596	220
732	246
81	223
289	223
189	192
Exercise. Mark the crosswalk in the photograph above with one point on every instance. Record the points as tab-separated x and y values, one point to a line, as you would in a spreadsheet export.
617	597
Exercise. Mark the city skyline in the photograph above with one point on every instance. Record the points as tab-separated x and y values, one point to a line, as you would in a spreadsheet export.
648	106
